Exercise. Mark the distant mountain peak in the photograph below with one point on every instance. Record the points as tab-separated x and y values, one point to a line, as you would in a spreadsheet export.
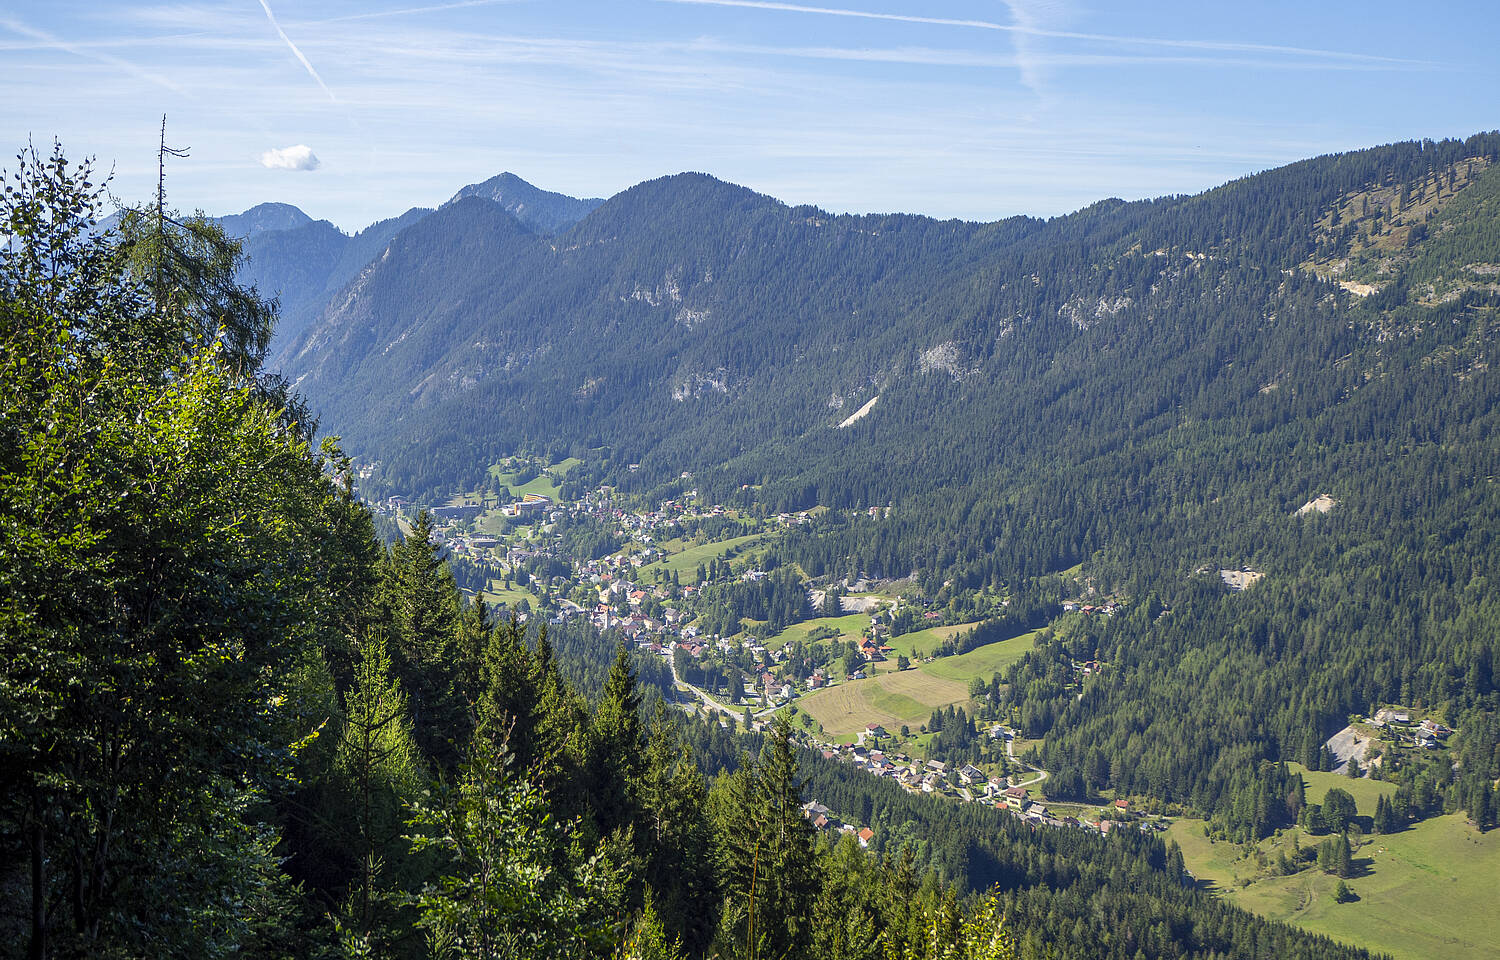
542	210
263	218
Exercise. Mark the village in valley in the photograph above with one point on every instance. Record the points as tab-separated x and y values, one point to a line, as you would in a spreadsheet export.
872	673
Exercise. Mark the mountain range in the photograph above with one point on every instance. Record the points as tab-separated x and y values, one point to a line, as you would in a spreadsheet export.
1119	402
304	263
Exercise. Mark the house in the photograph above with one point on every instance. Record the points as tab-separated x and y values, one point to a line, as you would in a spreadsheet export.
874	730
969	773
865	836
1122	805
1015	798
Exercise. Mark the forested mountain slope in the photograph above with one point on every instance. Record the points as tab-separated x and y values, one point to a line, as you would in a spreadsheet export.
233	723
304	263
1151	389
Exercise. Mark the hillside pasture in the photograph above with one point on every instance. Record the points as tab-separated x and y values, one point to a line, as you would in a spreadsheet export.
685	561
983	662
921	643
1364	791
851	626
1420	890
891	699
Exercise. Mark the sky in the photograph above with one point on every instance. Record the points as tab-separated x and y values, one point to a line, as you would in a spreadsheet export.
356	110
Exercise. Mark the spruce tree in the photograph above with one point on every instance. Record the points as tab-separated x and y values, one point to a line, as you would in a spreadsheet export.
615	748
378	770
424	608
674	835
769	870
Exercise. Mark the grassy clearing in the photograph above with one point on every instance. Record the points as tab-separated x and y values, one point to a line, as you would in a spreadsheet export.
984	662
850	625
1419	890
544	484
1365	792
891	699
497	593
685	562
921	643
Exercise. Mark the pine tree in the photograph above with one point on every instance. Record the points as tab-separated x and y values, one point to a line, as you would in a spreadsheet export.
674	835
768	868
615	748
1385	815
379	770
424	608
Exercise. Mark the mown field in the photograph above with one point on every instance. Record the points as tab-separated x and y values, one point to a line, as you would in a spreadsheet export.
1365	792
891	699
1426	893
984	662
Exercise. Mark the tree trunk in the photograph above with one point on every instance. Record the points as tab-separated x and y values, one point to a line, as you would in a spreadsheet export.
36	842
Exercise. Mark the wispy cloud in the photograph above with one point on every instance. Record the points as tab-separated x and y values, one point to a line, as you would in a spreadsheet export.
299	157
1036	31
1029	17
288	40
409	11
51	42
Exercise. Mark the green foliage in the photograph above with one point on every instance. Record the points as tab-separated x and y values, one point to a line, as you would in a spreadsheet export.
166	532
377	772
982	935
767	869
512	880
437	672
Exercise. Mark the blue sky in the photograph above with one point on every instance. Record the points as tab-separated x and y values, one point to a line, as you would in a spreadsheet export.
944	107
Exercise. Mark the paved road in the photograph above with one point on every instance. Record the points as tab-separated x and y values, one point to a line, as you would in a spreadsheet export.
1010	751
707	700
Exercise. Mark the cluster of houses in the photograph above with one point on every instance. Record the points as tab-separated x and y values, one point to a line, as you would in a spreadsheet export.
969	784
824	821
1428	734
1108	609
661	626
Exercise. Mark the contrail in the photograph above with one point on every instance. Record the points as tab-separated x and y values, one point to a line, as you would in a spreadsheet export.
48	40
1058	34
272	17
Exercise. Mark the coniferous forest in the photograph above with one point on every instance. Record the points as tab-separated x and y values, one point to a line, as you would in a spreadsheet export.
234	722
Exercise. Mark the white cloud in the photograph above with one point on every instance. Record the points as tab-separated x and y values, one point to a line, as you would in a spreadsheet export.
299	157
